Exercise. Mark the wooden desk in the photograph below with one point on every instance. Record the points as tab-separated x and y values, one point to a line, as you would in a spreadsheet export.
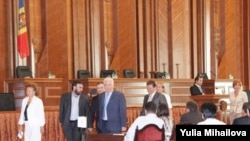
49	90
135	89
103	137
199	99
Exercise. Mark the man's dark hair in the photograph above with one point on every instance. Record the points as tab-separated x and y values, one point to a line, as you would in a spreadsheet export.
74	83
150	107
151	82
192	106
208	110
163	110
197	78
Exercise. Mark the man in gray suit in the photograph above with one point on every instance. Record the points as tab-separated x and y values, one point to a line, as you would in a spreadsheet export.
153	96
72	105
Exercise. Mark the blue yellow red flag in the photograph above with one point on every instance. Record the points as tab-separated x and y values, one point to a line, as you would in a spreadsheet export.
22	41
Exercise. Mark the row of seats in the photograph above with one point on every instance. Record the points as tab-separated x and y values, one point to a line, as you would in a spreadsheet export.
25	71
127	73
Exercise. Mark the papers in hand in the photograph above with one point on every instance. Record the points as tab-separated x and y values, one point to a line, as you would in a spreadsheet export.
82	122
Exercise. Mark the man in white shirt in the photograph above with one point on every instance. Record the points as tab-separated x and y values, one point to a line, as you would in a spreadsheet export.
208	110
141	121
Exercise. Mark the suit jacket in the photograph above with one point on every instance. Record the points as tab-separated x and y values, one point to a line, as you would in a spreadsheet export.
65	108
242	121
157	99
191	118
194	90
35	112
116	112
94	109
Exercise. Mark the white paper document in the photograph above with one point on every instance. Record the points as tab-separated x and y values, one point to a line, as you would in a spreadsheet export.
82	122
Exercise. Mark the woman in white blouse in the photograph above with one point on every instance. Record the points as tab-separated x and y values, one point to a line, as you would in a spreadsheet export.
32	115
237	99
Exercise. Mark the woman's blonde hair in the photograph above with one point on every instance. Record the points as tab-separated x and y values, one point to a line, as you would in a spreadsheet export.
236	82
32	85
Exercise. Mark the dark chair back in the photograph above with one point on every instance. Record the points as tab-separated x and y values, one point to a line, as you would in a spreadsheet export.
23	71
106	73
128	73
150	132
83	74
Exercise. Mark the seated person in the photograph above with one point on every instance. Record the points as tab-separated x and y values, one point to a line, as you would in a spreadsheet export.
197	88
192	115
208	110
141	121
163	113
245	119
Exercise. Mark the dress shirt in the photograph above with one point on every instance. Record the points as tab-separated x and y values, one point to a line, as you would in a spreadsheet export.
150	97
74	107
142	121
200	88
106	101
211	121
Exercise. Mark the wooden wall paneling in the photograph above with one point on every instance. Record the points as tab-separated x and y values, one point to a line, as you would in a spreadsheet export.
233	42
214	22
245	10
5	35
162	36
124	54
148	48
96	39
55	40
181	39
170	38
49	90
135	89
140	38
35	33
79	22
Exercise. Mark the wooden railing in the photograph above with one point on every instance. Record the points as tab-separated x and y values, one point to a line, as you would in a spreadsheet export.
53	131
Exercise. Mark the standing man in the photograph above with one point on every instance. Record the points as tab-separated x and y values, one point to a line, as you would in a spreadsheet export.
73	105
153	96
197	88
112	109
94	107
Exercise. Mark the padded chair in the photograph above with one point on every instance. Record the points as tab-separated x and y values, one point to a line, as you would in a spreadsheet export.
128	73
83	74
150	132
159	75
23	71
106	73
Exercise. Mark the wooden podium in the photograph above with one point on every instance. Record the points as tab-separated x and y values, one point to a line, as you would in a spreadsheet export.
199	99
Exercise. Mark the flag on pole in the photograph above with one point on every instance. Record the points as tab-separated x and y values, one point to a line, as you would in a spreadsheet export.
22	41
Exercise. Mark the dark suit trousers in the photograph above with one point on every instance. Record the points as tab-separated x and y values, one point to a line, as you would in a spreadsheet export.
72	132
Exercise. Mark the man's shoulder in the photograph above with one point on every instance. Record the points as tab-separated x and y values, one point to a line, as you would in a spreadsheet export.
66	94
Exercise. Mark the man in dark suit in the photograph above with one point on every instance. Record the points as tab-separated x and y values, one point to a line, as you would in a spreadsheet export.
245	119
192	116
197	88
112	109
73	105
153	96
94	106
